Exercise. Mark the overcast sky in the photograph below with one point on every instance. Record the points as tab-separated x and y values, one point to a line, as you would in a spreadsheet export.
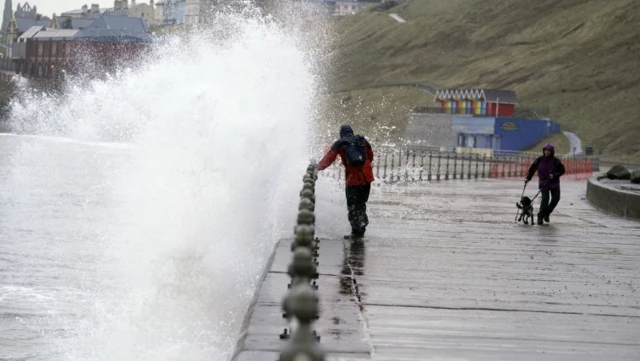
48	7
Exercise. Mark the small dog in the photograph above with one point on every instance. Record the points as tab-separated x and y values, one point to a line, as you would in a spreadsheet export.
527	210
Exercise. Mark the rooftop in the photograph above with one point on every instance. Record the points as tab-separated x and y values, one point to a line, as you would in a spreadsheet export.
26	23
55	34
116	28
30	32
489	95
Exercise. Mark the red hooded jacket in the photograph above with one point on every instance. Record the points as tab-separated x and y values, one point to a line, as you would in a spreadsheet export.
354	176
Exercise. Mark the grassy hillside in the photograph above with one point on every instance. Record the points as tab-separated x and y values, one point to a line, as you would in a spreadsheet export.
579	57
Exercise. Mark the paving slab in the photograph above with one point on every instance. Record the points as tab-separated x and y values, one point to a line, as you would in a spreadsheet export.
446	274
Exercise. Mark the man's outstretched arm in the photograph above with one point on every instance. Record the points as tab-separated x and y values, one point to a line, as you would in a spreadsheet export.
327	160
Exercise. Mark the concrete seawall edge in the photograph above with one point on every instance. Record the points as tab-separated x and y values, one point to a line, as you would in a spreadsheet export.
614	201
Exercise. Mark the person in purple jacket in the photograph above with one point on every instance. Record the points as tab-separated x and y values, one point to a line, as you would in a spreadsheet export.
550	169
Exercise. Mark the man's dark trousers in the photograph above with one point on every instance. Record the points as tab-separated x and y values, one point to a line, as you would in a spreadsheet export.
547	207
357	197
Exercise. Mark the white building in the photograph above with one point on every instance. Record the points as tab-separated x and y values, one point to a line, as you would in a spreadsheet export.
120	8
171	11
192	11
350	7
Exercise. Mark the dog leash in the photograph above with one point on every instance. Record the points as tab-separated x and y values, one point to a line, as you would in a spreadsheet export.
534	198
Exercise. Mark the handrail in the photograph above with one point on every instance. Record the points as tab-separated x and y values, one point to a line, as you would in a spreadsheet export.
301	304
416	164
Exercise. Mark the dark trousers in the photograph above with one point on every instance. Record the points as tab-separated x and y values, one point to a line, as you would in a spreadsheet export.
546	206
357	197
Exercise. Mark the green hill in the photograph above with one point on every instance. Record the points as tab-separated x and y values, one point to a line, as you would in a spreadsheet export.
581	58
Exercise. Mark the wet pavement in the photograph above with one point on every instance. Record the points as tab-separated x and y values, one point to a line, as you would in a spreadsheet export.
623	185
446	274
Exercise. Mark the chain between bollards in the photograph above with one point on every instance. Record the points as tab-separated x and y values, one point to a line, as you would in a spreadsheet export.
301	303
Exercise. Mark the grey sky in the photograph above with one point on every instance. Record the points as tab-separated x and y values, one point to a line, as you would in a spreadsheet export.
48	7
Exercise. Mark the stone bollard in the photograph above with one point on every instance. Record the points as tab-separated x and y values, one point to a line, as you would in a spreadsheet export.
304	237
307	193
308	186
303	304
301	301
306	216
308	178
302	265
301	270
306	203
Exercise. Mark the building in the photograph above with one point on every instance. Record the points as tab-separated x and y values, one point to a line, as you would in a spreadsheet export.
192	11
43	52
350	7
171	12
478	121
26	11
85	12
62	22
120	8
327	7
22	20
500	133
477	101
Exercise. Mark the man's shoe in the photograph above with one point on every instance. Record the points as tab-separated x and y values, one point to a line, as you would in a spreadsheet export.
546	218
540	222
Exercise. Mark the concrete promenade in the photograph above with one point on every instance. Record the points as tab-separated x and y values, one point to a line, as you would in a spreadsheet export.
446	274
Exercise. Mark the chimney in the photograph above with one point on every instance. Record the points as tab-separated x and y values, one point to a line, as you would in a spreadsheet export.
125	4
117	5
95	8
133	4
151	3
85	8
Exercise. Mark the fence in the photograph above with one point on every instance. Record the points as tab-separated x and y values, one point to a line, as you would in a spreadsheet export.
393	165
301	304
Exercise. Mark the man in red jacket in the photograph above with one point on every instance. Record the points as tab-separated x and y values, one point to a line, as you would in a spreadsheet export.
356	155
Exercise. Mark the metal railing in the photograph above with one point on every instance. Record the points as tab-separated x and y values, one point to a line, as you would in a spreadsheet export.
409	165
301	304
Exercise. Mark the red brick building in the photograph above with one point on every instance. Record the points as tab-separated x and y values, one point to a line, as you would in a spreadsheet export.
42	52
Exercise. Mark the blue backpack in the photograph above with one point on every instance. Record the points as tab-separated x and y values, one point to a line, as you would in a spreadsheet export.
354	150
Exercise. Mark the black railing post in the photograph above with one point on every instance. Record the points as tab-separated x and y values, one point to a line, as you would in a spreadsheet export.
430	159
384	176
399	176
438	168
406	167
421	164
393	159
477	165
446	174
484	163
455	165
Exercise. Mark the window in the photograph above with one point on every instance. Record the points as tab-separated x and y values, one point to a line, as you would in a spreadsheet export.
40	49
54	48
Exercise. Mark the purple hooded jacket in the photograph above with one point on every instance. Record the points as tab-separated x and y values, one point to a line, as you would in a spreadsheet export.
545	167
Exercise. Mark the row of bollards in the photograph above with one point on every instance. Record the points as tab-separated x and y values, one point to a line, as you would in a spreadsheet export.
301	304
